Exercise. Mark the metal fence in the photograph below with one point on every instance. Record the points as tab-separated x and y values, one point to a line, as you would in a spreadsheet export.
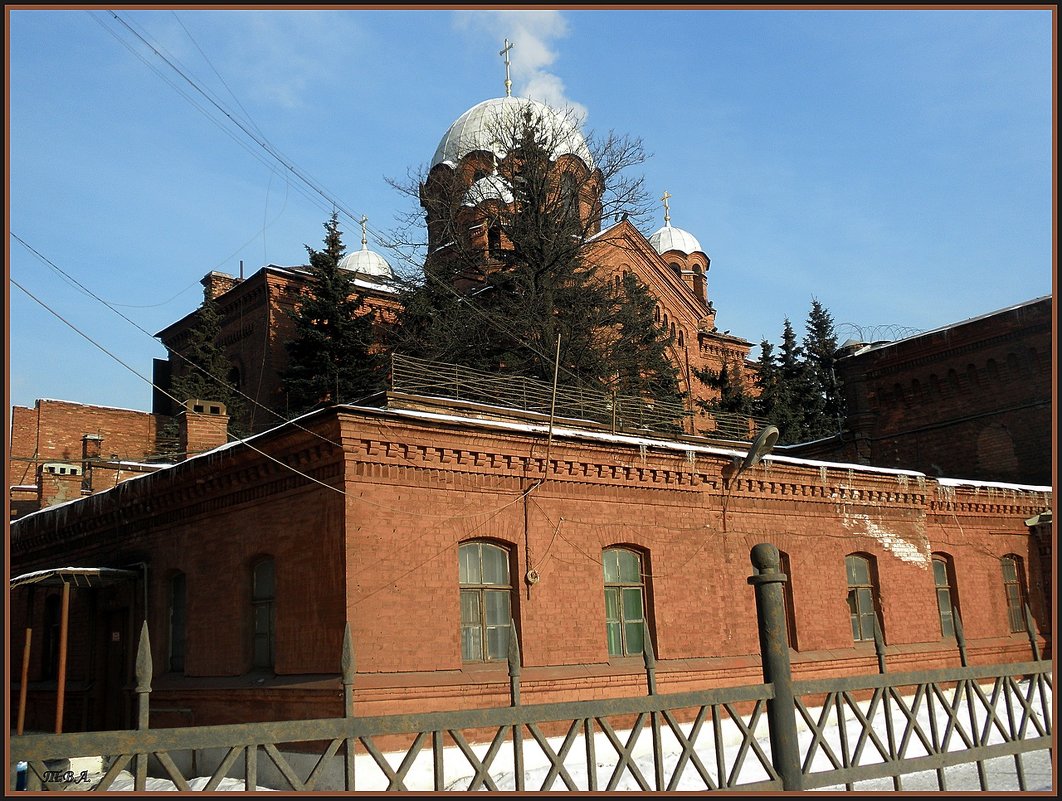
820	733
619	412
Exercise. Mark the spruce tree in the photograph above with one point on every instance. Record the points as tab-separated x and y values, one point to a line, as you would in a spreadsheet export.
732	397
825	407
792	388
331	358
205	367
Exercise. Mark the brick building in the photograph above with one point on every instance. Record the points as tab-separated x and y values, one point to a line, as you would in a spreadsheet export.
420	528
425	526
970	399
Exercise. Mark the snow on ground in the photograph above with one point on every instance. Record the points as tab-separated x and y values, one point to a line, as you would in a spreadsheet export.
458	771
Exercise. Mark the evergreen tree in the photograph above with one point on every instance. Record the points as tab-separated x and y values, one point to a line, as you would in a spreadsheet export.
791	395
825	406
732	396
206	369
331	358
502	309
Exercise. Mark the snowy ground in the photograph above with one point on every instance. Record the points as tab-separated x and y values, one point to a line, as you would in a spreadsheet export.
458	771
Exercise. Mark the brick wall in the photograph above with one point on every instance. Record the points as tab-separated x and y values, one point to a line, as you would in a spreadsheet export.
383	558
970	400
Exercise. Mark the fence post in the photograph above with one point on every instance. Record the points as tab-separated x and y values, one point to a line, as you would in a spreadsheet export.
347	668
514	700
649	656
143	690
774	655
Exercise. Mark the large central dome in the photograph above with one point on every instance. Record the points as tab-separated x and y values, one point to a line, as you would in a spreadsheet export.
478	127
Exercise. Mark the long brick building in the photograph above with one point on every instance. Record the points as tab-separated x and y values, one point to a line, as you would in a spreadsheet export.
421	530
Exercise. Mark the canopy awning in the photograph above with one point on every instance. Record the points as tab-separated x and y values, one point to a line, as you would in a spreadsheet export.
78	576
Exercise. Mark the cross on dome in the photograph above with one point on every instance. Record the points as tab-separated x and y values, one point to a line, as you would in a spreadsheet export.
667	209
505	52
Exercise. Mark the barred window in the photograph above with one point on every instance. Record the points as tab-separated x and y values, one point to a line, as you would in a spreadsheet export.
263	607
486	595
178	616
624	601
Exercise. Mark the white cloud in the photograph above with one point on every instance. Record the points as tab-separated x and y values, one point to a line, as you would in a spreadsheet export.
533	34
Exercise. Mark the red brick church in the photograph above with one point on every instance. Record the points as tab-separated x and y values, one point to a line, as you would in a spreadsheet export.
427	523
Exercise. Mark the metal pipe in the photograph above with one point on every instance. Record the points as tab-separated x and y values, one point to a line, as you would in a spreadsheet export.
774	650
60	692
25	680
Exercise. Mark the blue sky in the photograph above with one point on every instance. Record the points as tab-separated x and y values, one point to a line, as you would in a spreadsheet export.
896	165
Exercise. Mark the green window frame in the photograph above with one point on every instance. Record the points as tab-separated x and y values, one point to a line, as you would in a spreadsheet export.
862	596
947	601
624	601
486	601
1014	587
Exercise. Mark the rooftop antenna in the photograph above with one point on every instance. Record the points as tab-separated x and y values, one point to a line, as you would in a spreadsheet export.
505	53
667	209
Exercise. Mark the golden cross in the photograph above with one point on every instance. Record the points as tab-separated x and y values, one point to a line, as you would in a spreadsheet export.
364	237
505	52
667	211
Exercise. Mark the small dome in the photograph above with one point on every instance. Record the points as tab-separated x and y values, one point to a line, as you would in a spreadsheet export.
366	263
474	130
668	238
489	187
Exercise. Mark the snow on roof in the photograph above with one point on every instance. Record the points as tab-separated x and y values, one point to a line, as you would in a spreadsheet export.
91	405
628	439
960	482
24	488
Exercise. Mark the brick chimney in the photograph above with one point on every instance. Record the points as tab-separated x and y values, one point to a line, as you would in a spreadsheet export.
201	426
58	482
216	283
91	447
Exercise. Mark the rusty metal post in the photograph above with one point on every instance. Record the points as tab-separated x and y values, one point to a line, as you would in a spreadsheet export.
514	700
879	646
767	580
1030	629
348	669
649	657
960	637
25	680
60	687
143	691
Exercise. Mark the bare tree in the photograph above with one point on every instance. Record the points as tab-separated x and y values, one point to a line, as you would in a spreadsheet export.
506	272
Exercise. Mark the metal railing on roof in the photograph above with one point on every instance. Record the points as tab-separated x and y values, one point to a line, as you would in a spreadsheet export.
413	376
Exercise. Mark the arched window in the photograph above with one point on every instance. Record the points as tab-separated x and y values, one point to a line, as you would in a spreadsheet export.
916	390
947	599
178	616
656	315
862	595
263	609
486	594
993	371
681	339
624	601
672	331
787	598
1014	586
934	385
972	377
493	239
